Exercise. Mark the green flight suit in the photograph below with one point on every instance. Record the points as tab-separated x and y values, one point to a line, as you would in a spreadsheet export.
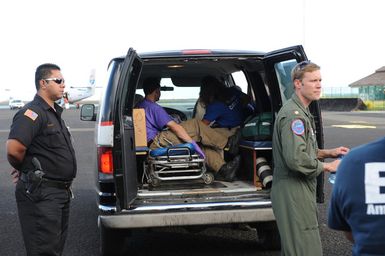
296	168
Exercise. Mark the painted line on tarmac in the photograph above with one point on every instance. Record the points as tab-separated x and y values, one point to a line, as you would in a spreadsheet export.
354	126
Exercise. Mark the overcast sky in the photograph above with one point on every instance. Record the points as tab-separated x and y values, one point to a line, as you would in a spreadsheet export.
345	37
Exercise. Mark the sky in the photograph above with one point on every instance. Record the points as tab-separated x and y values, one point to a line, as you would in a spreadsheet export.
345	37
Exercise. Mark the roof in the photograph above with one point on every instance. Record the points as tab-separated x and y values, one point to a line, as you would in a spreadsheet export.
199	52
375	79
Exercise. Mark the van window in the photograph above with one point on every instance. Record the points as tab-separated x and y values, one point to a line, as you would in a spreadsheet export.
178	92
182	98
283	72
240	80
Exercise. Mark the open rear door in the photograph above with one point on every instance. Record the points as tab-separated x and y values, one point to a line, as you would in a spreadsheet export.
124	140
278	66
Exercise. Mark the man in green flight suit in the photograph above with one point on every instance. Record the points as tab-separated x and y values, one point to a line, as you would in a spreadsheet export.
297	165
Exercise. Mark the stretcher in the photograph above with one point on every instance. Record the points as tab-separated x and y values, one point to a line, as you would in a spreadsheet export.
175	163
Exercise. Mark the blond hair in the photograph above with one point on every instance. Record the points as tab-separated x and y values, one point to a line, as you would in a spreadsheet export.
301	68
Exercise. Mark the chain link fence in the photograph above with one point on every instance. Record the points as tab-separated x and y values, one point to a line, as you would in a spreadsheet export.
372	96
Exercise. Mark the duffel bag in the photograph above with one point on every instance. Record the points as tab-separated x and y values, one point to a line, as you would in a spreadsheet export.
259	127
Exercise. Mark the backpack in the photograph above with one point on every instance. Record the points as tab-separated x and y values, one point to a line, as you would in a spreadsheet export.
259	127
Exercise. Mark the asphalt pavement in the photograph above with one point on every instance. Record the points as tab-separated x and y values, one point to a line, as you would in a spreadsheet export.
340	128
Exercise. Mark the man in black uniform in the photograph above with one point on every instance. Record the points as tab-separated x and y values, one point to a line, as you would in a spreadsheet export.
39	147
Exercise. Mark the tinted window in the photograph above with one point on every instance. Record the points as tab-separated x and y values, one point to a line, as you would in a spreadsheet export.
283	72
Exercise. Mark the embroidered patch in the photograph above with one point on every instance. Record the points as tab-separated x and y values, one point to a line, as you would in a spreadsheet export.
298	127
31	114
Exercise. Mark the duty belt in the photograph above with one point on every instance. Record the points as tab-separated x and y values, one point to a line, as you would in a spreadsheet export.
49	182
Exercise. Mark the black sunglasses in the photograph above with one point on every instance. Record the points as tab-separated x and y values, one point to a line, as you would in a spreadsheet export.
56	80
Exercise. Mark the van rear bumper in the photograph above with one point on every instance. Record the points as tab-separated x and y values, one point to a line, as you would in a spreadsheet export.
168	219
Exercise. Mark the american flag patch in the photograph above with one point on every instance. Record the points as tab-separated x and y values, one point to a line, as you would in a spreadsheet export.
31	114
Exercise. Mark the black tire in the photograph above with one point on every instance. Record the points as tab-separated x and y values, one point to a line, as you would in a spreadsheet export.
268	236
112	241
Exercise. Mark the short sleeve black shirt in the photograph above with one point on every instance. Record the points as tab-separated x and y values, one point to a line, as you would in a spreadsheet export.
43	132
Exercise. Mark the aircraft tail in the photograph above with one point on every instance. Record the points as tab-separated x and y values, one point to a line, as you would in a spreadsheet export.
92	80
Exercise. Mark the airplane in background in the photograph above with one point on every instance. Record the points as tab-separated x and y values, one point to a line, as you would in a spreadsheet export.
75	94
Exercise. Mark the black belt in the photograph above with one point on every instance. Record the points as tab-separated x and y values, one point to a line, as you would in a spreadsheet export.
49	182
56	183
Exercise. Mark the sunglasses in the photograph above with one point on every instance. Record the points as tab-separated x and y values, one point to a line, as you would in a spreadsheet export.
56	80
303	64
298	69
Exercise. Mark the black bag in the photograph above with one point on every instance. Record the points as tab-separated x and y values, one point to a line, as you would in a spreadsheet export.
259	127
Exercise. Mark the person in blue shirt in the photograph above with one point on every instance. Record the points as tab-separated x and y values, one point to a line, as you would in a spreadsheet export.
224	109
357	205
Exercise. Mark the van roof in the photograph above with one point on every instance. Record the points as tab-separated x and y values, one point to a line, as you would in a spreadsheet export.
198	53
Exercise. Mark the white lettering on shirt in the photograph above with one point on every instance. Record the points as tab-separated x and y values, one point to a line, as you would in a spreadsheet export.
375	209
375	188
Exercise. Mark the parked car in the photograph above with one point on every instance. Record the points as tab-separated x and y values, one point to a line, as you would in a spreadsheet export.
128	197
13	104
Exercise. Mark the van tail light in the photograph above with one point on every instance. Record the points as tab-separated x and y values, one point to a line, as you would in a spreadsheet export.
105	161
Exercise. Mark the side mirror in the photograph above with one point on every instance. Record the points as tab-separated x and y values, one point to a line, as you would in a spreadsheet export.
87	112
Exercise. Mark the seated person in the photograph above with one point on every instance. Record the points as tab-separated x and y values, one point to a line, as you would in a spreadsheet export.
190	131
225	107
228	105
209	88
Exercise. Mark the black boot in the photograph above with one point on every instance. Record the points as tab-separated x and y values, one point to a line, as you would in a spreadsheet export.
229	169
232	145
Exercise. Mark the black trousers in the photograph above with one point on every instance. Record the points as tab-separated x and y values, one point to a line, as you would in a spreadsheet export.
43	216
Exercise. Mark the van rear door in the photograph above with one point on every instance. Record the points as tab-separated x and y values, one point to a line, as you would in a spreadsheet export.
278	66
124	141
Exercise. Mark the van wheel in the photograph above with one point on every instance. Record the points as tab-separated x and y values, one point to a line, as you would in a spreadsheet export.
268	236
112	241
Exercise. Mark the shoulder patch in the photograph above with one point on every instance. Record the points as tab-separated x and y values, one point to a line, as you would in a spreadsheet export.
31	114
298	127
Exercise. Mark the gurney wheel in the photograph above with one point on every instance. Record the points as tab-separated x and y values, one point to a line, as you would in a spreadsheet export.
208	178
155	182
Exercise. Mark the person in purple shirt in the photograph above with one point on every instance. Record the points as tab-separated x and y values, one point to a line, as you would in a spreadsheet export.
163	131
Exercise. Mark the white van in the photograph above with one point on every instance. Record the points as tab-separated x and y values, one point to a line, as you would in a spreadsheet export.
16	104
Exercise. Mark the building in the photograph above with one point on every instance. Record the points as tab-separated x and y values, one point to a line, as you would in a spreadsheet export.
372	87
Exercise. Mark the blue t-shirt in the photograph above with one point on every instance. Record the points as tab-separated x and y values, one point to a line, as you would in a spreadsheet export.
156	118
226	115
358	198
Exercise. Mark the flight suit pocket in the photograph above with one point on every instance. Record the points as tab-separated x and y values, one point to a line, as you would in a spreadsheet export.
305	207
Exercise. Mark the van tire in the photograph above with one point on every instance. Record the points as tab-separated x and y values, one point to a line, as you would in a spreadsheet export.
268	236
112	241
